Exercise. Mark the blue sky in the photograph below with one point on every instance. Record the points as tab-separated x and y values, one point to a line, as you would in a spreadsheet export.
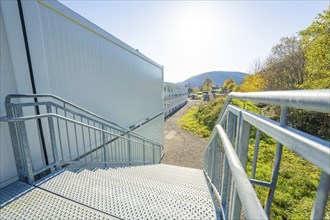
192	37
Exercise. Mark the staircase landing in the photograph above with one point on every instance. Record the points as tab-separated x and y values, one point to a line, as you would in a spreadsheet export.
146	192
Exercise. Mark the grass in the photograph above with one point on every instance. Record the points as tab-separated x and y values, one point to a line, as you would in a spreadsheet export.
298	179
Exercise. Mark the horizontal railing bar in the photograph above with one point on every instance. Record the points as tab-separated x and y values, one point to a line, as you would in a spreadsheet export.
6	119
260	183
10	96
63	162
314	150
313	100
249	199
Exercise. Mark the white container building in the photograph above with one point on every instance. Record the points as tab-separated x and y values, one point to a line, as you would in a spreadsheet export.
175	97
47	48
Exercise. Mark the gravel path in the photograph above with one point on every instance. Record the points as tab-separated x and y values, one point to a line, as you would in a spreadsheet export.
182	148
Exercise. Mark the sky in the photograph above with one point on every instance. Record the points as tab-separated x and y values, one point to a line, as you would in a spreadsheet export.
193	37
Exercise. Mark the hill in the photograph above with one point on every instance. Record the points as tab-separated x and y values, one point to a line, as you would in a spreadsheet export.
218	77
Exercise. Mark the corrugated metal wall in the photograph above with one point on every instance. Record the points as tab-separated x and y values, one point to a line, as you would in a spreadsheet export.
78	61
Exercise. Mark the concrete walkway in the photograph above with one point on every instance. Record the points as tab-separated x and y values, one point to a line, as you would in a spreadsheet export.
182	148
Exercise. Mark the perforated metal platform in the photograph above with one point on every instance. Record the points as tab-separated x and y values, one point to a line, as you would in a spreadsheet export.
22	201
145	192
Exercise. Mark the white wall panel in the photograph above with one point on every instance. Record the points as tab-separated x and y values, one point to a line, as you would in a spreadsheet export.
88	66
7	85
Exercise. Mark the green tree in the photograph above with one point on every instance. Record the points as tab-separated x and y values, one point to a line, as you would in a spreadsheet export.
316	44
228	85
196	89
285	66
207	84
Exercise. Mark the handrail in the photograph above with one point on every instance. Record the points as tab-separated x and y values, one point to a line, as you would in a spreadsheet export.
47	115
237	121
313	149
66	102
249	199
71	134
312	100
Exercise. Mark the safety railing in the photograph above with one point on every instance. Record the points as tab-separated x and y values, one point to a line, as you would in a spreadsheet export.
48	132
225	157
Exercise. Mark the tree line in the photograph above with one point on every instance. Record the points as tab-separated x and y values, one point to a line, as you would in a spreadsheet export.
297	62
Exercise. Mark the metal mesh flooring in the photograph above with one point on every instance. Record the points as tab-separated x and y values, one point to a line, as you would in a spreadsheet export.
145	192
22	201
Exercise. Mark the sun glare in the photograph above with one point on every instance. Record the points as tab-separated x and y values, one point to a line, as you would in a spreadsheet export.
195	25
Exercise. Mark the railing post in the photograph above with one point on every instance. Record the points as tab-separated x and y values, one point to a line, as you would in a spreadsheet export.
25	145
129	149
231	124
52	135
144	152
213	160
321	197
105	153
153	153
225	187
18	151
277	162
255	154
242	151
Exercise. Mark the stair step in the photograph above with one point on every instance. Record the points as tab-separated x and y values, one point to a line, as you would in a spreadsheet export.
147	192
22	201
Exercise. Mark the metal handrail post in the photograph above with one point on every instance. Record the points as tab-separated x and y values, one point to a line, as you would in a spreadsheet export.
255	154
144	152
242	142
105	157
153	154
129	149
277	162
212	167
25	145
20	165
321	197
52	136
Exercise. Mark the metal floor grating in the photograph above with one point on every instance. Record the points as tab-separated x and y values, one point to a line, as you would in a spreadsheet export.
22	201
145	192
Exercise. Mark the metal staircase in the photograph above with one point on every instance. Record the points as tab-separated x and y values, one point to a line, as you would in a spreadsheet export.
91	168
141	192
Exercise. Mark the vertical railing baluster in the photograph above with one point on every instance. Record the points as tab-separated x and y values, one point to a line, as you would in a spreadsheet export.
52	135
153	154
242	151
67	132
225	186
104	144
321	197
95	139
75	134
90	140
277	162
59	135
83	138
213	163
160	153
18	151
25	145
144	152
255	154
129	149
